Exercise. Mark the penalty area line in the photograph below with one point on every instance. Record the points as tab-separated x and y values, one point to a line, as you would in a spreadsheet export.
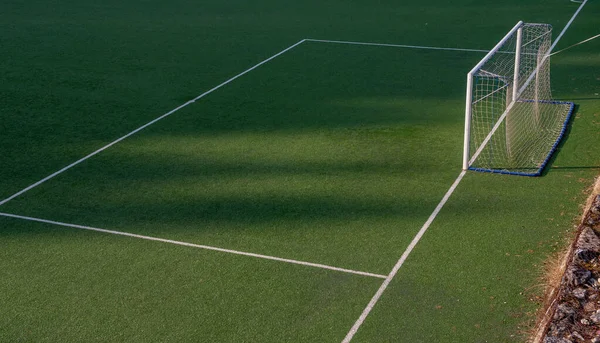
192	245
402	259
147	124
393	45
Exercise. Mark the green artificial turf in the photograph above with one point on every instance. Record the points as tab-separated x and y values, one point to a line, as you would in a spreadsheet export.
340	171
329	153
61	285
471	277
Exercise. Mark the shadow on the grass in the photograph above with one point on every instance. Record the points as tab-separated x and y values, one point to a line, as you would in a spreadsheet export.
563	141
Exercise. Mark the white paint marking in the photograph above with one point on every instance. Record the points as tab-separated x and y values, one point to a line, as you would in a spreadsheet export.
145	126
568	25
576	44
394	45
199	246
400	262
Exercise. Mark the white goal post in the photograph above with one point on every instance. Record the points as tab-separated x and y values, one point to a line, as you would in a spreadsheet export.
512	124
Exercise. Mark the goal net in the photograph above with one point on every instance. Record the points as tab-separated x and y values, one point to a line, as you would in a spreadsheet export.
512	124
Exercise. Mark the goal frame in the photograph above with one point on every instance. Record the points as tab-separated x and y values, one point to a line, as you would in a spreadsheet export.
468	160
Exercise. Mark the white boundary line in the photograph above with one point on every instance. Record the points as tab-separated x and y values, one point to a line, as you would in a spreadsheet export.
147	124
567	26
198	246
421	232
402	259
549	53
576	44
393	45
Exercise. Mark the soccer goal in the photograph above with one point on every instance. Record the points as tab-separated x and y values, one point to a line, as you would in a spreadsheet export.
512	124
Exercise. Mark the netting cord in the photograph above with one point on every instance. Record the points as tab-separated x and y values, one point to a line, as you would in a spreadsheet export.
574	45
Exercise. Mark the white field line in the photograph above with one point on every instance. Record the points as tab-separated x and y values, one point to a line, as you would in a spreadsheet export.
568	25
393	45
146	125
549	53
400	262
576	44
198	246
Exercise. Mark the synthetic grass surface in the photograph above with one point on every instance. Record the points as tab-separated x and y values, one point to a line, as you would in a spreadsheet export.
62	285
331	154
470	278
340	172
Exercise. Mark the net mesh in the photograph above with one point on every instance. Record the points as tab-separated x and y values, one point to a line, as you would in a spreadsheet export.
516	130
